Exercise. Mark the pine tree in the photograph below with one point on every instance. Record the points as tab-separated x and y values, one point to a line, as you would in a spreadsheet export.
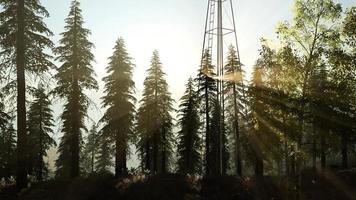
90	150
103	159
119	101
189	144
206	96
155	121
235	94
74	76
7	145
24	39
40	123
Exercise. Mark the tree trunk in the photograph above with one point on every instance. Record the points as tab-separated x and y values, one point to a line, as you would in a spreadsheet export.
286	156
118	167
322	151
314	148
344	150
292	164
21	179
92	160
259	168
207	136
75	144
148	157
75	171
40	155
189	156
164	164
75	134
155	153
286	151
237	135
124	160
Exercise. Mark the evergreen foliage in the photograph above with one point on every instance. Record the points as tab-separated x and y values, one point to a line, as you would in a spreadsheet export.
235	106
119	100
40	123
189	141
7	145
103	159
206	95
23	42
75	75
155	121
90	150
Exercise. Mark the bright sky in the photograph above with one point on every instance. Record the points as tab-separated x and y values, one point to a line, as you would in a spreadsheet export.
174	27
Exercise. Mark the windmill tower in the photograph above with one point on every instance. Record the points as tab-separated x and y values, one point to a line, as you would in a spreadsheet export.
220	31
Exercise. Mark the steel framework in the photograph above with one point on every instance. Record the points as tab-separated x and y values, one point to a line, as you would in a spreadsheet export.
215	33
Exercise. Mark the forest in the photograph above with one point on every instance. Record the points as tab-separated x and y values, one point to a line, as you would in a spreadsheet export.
288	129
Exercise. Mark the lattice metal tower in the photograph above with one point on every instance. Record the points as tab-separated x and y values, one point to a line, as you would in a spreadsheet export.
220	29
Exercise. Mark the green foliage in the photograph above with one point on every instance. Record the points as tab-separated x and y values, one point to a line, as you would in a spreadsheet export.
302	93
189	141
37	59
7	145
89	151
75	75
206	95
119	101
235	107
40	123
103	161
24	44
154	124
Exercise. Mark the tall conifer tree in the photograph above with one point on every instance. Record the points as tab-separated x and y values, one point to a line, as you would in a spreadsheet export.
24	39
206	96
40	123
234	91
7	144
90	150
119	101
155	121
189	142
103	160
75	75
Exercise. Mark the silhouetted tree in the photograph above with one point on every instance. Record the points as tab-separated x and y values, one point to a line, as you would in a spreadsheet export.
90	150
218	143
40	123
119	101
155	121
206	95
24	39
189	142
7	144
235	94
103	161
74	76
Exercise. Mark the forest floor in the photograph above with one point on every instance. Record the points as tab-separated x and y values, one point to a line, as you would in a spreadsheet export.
339	185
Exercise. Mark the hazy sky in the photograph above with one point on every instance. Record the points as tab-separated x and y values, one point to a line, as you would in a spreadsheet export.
173	27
